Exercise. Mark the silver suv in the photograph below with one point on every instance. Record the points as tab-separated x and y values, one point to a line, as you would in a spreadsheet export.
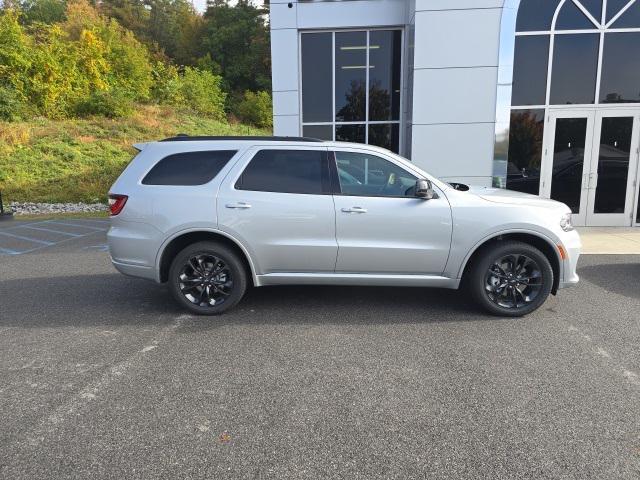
211	216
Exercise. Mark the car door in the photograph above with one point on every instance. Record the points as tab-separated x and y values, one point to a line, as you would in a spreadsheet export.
277	201
381	227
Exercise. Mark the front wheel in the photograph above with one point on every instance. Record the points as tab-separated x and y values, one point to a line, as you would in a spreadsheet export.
207	278
511	279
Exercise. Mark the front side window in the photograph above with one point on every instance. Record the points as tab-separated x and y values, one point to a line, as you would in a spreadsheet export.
286	171
368	175
188	168
363	70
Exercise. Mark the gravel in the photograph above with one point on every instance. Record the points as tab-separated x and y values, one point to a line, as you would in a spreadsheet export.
30	208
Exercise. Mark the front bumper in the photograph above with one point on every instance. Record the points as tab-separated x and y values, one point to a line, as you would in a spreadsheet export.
573	246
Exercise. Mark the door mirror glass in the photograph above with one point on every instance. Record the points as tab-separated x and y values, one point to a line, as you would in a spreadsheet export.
424	189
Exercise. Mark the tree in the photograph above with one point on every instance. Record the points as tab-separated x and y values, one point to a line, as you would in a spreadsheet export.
237	40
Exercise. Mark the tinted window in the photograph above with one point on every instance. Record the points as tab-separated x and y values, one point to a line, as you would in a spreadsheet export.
620	68
525	150
371	176
613	7
188	168
530	70
323	132
384	75
535	15
350	133
575	61
594	7
286	171
385	135
351	76
571	17
630	18
316	77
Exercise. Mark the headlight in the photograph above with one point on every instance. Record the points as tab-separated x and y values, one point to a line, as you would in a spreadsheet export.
565	222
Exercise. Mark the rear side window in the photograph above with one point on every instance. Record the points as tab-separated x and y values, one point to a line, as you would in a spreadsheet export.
287	171
188	168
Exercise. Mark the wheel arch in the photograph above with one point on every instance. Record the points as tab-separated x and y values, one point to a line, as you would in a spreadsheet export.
182	239
535	239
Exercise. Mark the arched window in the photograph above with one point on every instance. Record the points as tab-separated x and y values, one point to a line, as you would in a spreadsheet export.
567	52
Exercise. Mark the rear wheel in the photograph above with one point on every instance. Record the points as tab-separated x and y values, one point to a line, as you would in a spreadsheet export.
510	279
207	278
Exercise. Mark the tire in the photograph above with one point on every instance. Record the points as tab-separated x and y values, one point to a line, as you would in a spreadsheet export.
207	278
494	283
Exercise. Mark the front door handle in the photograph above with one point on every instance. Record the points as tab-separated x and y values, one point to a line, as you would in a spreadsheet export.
240	205
354	210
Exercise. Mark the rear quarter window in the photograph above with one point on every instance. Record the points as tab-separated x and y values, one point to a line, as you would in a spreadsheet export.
188	168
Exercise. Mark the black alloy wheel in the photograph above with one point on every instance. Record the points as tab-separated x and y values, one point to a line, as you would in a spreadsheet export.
509	278
207	278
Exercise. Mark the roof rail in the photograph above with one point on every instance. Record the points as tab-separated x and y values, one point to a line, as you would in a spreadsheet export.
181	137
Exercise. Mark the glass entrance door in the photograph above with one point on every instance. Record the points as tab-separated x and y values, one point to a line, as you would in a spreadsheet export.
612	174
590	163
566	160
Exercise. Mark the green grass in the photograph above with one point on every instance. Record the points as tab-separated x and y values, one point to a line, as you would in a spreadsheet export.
77	160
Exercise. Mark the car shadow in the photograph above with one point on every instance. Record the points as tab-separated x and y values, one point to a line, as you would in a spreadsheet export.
620	278
113	299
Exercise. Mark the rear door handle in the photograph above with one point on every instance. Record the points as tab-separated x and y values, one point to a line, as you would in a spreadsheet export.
354	210
240	205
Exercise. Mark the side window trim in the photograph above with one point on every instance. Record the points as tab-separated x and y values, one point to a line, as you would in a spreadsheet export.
335	180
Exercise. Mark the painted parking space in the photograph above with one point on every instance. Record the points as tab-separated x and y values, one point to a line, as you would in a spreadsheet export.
26	237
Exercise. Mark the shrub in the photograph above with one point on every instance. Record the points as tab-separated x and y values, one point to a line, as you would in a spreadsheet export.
201	91
12	105
256	108
166	87
112	104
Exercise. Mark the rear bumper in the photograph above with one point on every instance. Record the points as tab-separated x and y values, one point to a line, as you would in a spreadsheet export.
134	270
133	247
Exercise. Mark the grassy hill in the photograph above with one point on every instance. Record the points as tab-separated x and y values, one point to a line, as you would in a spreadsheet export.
77	160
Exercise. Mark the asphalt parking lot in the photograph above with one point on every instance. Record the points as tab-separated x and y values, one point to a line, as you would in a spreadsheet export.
103	376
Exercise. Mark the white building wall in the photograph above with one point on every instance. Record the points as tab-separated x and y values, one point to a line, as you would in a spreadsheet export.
454	91
450	74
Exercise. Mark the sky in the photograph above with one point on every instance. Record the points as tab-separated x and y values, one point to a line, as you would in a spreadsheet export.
200	5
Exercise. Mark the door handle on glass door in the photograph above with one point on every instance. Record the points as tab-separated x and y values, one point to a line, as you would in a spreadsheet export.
354	210
240	205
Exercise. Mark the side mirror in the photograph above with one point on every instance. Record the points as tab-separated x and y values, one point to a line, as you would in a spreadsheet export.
424	189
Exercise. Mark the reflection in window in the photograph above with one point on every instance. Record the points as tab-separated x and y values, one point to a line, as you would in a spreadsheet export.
575	62
322	132
568	161
613	165
525	150
358	95
350	133
316	77
620	80
371	176
384	75
530	70
385	135
351	76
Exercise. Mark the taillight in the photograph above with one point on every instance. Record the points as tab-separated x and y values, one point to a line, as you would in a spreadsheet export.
116	203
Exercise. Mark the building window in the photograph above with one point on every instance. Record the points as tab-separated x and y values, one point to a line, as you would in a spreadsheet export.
351	88
567	52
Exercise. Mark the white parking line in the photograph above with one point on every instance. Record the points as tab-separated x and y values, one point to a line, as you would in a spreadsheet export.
20	237
56	222
52	231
